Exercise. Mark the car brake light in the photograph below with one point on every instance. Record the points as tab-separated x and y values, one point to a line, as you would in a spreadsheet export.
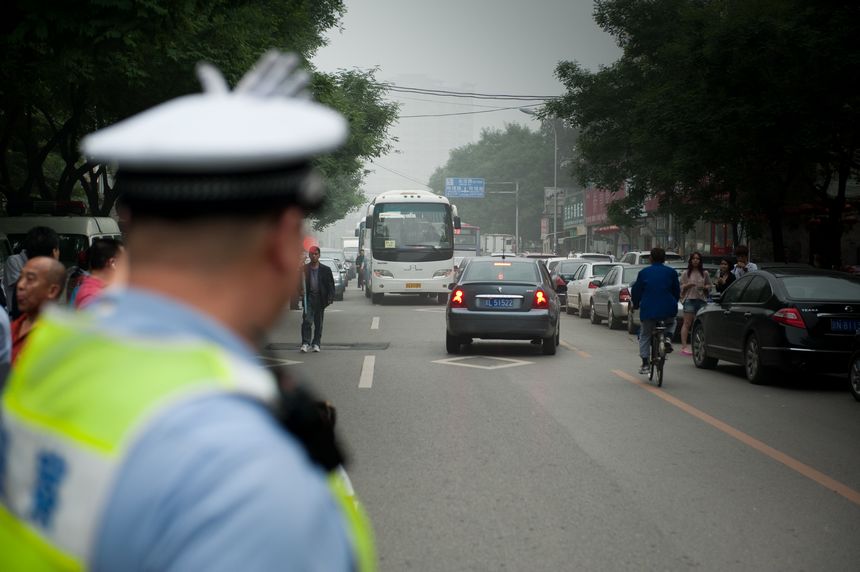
559	281
789	317
457	298
592	285
540	299
624	295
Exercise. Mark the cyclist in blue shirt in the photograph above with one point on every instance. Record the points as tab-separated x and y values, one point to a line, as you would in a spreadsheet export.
656	293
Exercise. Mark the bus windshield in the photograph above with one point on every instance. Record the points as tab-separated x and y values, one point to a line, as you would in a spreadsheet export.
412	226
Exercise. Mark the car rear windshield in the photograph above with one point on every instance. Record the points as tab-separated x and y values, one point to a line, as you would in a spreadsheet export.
646	258
822	288
630	275
601	269
501	271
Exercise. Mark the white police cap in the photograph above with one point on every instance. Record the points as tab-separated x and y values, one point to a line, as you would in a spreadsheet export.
255	142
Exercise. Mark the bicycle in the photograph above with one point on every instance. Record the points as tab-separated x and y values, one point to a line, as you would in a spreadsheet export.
658	352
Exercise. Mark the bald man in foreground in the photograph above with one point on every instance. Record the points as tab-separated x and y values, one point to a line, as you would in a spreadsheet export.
41	282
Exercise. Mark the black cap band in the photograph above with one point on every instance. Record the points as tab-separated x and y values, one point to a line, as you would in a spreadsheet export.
178	195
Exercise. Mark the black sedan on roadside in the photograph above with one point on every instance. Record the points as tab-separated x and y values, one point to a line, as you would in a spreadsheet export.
787	318
503	298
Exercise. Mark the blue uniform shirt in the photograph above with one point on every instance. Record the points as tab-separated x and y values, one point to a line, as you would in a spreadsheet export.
214	484
656	292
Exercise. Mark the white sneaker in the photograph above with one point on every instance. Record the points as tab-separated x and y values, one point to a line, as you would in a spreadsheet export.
316	348
304	348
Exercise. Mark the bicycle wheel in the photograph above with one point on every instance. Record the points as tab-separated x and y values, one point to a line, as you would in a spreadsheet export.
653	359
661	361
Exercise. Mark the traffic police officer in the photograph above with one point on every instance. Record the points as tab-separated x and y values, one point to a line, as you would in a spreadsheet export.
142	434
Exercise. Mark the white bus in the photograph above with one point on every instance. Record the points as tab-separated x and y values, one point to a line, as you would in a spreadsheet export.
411	244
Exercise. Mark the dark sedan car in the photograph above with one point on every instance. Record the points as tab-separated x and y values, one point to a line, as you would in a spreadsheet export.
506	299
786	318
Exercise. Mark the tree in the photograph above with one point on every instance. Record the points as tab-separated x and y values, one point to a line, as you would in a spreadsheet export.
727	111
71	67
513	154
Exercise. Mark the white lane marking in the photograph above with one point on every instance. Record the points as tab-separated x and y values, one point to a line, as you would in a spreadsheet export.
276	362
366	380
505	362
374	324
431	310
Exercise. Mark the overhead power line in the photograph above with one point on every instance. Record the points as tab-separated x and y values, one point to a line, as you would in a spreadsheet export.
468	112
399	174
404	98
467	94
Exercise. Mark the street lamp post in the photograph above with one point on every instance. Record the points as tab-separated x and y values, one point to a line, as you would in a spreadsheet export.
528	111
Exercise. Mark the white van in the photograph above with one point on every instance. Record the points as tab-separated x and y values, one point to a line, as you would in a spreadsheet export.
76	232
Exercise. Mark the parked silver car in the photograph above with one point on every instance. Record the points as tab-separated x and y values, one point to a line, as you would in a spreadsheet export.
338	274
579	289
611	299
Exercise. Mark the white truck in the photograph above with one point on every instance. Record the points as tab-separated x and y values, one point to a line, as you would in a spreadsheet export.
496	243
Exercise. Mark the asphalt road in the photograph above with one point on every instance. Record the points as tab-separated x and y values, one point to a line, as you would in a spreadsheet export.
506	459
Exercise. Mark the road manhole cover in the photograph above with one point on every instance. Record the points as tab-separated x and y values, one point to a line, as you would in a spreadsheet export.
483	362
331	346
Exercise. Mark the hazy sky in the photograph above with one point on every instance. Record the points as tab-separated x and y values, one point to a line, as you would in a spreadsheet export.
499	46
488	46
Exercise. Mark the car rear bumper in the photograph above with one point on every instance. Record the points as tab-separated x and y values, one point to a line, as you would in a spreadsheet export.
501	325
817	361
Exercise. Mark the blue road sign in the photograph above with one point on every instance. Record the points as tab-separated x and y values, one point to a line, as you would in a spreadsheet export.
460	188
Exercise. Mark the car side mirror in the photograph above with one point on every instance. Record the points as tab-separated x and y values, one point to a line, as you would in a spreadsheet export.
457	224
368	221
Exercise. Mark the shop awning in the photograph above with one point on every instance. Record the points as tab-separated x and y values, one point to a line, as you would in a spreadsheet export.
607	229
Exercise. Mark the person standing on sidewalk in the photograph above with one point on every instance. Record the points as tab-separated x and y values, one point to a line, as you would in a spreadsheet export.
743	264
695	284
319	293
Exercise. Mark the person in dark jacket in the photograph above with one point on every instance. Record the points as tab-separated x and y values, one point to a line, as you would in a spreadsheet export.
318	293
656	292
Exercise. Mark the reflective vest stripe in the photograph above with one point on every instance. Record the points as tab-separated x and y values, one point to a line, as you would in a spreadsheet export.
43	558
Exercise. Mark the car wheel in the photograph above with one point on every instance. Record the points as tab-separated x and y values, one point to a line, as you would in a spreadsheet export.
582	313
700	353
377	298
595	319
452	343
854	378
756	372
631	327
548	345
613	322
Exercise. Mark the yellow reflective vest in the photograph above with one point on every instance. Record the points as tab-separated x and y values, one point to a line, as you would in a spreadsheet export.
67	424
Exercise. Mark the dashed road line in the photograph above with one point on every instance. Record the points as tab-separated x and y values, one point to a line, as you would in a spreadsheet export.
366	379
775	454
374	323
578	351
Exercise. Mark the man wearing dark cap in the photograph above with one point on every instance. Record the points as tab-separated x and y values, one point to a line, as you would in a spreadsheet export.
143	431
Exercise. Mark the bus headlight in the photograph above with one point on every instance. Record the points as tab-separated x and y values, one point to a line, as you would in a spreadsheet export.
383	273
443	272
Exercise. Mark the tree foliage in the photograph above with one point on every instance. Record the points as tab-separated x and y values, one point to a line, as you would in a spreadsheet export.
72	66
510	155
728	111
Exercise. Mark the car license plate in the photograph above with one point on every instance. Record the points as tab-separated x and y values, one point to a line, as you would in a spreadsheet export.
844	326
499	303
413	284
